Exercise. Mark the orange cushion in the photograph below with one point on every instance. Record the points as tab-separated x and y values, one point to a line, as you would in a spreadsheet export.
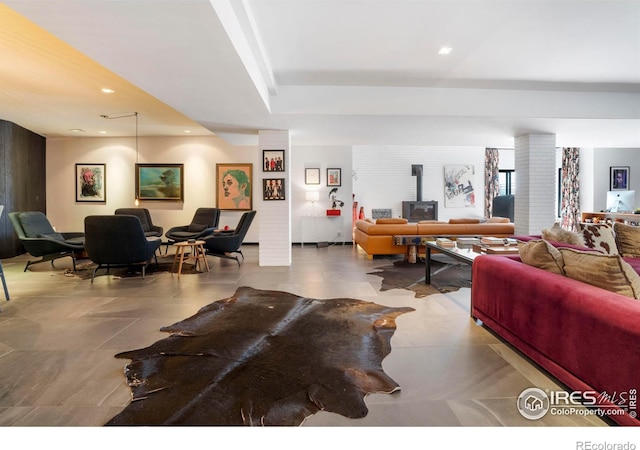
391	220
464	220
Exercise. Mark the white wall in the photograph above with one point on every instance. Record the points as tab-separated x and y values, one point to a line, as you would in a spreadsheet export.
382	177
198	154
311	223
603	160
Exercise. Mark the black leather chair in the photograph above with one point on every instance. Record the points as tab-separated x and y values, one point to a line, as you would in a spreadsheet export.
503	206
150	230
204	222
118	241
226	244
39	238
4	281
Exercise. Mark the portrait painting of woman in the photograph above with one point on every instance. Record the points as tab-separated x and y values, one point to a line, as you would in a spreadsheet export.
234	186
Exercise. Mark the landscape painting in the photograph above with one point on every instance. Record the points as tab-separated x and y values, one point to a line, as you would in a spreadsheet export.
160	182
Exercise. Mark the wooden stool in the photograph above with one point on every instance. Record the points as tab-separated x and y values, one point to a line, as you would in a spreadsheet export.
197	253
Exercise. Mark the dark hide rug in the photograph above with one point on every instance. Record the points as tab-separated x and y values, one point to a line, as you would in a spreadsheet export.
84	271
262	358
446	276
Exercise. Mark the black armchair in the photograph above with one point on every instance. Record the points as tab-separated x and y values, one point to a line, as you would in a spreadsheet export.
150	230
39	239
503	206
117	241
204	222
226	244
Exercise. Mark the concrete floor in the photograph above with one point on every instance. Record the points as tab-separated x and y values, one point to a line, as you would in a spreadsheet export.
59	335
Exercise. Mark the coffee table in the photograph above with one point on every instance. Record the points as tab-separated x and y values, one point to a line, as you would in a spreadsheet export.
464	254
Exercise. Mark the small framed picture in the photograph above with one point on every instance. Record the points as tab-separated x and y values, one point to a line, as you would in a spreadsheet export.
91	182
619	178
273	189
334	177
312	176
273	160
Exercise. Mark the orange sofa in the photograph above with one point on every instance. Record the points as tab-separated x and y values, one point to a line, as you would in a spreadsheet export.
376	238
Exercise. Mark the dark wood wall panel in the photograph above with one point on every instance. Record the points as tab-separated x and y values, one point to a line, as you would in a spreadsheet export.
22	179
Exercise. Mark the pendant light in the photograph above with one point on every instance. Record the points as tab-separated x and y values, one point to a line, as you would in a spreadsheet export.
134	114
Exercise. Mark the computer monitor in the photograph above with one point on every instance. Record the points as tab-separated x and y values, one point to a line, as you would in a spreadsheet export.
621	201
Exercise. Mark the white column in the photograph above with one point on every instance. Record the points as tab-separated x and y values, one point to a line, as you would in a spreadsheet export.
275	215
535	164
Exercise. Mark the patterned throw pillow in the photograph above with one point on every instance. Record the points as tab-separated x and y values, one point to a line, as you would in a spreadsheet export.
599	237
627	239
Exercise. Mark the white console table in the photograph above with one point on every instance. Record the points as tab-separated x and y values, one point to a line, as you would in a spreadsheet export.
322	229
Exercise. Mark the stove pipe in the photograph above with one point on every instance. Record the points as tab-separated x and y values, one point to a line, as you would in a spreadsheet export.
416	171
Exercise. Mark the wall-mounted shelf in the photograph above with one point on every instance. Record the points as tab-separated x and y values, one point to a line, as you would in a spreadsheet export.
631	218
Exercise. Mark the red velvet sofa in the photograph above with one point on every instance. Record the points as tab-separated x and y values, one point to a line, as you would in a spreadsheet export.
585	336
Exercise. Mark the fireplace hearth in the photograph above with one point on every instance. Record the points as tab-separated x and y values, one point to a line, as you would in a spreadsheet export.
420	210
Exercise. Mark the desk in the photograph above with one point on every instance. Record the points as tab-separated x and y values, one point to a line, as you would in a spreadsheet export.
196	253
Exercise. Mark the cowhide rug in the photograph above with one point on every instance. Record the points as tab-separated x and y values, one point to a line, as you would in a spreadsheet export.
445	277
262	358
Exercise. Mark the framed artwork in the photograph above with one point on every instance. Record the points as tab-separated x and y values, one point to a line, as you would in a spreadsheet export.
91	182
334	177
619	178
312	176
459	183
160	182
234	186
273	189
273	160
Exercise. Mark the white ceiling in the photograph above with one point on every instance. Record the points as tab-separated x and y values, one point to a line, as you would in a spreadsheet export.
334	72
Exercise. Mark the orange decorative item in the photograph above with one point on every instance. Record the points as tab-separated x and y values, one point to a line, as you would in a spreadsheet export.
361	216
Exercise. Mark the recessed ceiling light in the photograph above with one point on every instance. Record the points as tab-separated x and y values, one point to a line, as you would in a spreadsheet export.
444	51
108	91
102	132
187	131
77	130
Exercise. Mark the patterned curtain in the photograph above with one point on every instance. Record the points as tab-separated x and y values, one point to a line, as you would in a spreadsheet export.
491	178
570	189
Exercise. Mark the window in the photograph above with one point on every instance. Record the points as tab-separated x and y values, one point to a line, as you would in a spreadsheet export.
507	180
